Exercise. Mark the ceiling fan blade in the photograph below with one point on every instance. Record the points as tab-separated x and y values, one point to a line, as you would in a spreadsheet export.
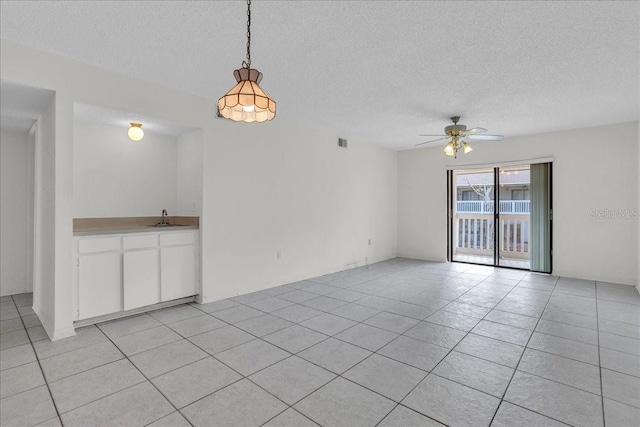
474	131
430	134
485	137
434	140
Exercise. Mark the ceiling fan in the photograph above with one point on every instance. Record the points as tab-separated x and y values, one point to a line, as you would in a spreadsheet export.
457	134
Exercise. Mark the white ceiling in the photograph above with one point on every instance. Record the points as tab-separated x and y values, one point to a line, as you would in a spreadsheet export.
372	70
106	116
20	105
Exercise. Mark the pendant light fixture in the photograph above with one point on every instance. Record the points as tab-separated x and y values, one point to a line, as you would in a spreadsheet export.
135	132
246	101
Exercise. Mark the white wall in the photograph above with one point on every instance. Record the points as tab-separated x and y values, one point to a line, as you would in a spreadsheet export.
46	295
74	82
279	187
265	186
31	177
14	213
594	169
189	166
114	176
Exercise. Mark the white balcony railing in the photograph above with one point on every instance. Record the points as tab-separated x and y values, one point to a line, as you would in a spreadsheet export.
475	231
482	207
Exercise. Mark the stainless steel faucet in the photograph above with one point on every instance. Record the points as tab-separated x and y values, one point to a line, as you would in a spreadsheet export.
164	217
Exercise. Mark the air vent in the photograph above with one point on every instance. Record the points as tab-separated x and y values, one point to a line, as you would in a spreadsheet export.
342	143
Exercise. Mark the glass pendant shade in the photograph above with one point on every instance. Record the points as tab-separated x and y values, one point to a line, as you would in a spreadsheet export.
466	148
448	150
135	132
246	101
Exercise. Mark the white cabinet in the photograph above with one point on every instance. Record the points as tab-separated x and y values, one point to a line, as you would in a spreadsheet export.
140	241
119	272
141	281
177	239
98	244
101	290
177	272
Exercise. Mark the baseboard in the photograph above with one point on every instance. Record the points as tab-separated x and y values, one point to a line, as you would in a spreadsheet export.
613	280
364	262
22	291
60	334
120	314
53	333
422	257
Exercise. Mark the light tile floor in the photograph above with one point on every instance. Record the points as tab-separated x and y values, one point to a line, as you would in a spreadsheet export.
488	260
399	343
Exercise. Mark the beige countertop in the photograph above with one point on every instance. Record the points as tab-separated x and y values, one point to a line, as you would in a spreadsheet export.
122	225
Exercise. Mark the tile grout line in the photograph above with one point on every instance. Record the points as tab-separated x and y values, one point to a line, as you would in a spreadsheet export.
402	334
288	406
109	394
504	393
469	332
46	383
242	376
68	351
337	375
599	357
143	375
526	346
296	354
430	372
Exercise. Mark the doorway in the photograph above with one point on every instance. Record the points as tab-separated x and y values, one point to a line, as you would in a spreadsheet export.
499	217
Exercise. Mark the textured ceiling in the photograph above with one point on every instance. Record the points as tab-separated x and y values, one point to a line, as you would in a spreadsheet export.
20	105
372	70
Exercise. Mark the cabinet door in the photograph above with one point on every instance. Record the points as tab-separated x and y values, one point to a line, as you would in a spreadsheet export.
177	272
141	281
99	285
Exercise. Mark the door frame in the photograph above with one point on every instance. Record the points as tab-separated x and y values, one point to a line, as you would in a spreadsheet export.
496	201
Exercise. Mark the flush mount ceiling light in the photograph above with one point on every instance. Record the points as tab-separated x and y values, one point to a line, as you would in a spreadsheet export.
135	132
246	101
456	134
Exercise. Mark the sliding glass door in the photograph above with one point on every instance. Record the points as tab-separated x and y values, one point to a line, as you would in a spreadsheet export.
501	216
473	216
514	217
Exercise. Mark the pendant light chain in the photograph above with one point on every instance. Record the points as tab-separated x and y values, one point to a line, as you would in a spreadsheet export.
247	101
247	63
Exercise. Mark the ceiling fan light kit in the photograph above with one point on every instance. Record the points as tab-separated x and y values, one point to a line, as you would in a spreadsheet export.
456	134
450	149
247	101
